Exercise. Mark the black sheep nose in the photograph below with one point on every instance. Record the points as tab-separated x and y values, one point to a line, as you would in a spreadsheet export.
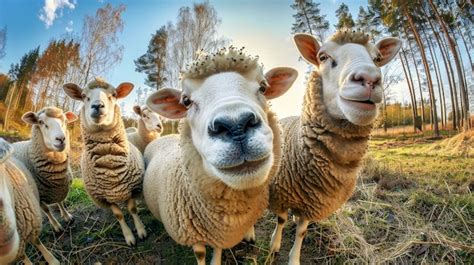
234	129
97	106
61	139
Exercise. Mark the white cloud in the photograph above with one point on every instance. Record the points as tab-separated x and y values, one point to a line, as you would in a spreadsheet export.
49	12
69	26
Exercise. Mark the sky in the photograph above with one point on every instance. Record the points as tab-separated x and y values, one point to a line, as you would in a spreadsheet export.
262	26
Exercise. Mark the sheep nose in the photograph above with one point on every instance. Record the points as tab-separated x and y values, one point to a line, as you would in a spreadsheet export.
97	106
231	129
61	139
368	80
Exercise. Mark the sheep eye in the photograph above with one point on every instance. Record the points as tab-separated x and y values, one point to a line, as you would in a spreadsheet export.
323	57
263	87
186	101
378	59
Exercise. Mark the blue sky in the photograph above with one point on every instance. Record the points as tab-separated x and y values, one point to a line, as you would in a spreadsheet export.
262	26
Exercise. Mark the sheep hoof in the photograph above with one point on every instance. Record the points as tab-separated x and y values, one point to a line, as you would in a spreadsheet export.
58	229
250	241
130	240
141	233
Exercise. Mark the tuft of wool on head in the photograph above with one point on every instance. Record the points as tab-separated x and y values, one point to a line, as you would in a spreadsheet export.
227	59
350	36
99	82
52	112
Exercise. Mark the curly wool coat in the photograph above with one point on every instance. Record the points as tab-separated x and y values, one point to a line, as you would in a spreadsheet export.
50	169
112	168
26	198
194	207
321	159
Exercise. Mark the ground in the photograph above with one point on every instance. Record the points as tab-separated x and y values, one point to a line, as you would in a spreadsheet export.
413	204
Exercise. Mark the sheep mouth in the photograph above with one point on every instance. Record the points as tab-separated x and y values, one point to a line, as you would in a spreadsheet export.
59	147
246	167
6	243
361	104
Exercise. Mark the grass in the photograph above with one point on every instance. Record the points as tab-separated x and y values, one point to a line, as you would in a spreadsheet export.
412	204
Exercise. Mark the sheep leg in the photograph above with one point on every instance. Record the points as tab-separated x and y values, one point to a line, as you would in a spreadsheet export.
276	236
301	228
127	233
64	213
132	208
52	220
216	256
250	235
200	253
26	260
45	252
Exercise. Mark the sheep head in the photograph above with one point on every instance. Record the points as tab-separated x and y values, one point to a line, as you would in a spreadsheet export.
349	66
99	98
151	120
225	104
52	123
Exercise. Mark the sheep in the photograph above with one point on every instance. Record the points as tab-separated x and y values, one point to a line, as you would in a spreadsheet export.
20	214
46	156
112	168
209	184
149	128
323	148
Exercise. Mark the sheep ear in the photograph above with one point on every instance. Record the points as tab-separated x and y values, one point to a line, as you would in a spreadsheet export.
73	91
308	47
388	48
137	109
124	89
70	116
279	80
166	102
30	118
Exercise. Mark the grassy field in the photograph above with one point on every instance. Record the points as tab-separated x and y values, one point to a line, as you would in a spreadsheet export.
413	204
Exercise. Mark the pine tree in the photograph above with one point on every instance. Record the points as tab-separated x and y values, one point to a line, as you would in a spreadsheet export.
309	20
152	63
345	20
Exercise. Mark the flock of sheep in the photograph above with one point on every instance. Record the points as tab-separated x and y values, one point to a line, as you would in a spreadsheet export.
232	159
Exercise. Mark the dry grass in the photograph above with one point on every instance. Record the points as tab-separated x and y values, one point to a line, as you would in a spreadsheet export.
413	204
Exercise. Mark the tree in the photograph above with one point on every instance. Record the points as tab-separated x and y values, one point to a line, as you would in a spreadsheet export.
153	62
309	20
3	41
344	17
101	49
21	74
194	31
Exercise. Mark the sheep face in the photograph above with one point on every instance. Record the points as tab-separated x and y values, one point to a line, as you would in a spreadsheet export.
151	120
99	100
350	72
52	123
227	115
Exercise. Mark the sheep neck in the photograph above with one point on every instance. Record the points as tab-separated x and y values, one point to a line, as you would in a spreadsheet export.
339	136
38	152
146	135
98	138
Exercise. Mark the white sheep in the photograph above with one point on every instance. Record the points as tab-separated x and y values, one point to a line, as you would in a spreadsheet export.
46	156
112	168
20	212
209	185
149	128
324	147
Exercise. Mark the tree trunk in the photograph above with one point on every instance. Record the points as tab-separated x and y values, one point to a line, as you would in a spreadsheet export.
438	81
427	69
410	89
441	85
467	48
456	61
